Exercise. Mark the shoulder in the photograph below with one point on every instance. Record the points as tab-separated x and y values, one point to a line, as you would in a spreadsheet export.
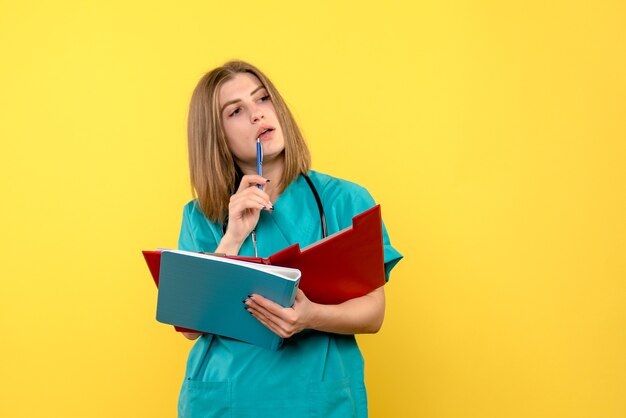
192	209
332	188
197	232
192	213
341	199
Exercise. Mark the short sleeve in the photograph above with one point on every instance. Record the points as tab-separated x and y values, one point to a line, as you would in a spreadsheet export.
392	256
196	232
185	238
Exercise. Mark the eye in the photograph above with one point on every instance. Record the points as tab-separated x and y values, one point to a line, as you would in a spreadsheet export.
235	112
265	98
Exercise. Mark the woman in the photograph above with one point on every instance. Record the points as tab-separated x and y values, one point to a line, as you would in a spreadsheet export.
319	369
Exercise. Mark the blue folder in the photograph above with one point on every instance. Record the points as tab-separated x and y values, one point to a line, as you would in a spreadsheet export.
205	293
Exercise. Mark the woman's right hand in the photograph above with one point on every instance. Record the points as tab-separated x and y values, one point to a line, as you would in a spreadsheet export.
244	210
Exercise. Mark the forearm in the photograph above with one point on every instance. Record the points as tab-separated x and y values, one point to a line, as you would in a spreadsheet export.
363	315
229	246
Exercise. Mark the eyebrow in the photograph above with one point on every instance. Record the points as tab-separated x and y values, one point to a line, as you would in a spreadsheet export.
238	100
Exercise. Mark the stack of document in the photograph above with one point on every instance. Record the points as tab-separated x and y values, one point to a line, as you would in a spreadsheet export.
204	292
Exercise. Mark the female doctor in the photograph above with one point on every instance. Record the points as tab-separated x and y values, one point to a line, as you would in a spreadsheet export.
318	372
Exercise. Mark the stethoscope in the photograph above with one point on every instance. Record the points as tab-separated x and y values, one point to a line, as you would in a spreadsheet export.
320	209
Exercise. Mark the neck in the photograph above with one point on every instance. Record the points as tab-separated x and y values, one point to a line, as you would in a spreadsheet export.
272	170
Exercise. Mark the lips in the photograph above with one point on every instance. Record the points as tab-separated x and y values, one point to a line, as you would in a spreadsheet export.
264	132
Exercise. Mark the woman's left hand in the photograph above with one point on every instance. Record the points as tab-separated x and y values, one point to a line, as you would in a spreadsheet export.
284	322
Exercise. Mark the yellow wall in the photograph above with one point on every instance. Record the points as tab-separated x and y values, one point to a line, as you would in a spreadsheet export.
493	134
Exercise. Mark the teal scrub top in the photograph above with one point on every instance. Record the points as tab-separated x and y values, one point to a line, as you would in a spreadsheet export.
314	374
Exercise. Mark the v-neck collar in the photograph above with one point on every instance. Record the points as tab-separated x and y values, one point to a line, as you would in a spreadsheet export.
295	219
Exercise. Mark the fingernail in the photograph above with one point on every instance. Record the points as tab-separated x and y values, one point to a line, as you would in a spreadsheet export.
244	301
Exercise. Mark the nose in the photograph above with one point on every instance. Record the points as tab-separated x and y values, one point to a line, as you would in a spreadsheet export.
256	115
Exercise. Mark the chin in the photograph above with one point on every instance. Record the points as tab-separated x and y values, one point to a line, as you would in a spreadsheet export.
275	155
274	146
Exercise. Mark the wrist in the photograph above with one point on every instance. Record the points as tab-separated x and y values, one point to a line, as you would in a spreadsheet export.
229	245
319	314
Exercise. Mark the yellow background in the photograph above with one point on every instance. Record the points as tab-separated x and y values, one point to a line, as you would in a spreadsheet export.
492	133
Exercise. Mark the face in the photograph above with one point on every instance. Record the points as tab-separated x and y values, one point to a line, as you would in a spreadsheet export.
247	113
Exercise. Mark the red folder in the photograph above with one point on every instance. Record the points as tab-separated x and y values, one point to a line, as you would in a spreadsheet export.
343	266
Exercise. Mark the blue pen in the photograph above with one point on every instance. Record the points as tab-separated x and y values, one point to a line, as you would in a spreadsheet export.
259	160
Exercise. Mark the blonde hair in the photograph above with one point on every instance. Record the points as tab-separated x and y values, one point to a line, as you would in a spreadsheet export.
213	171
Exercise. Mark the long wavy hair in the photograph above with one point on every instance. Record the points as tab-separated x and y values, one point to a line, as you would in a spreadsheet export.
213	172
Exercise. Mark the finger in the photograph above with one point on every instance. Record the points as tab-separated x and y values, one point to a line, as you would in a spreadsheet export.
270	325
300	299
300	295
251	180
253	191
254	194
267	304
275	319
240	203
